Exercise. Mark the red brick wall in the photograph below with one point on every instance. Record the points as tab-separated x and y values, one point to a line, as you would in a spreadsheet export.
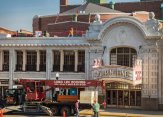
63	2
153	6
68	7
47	23
63	29
142	17
130	7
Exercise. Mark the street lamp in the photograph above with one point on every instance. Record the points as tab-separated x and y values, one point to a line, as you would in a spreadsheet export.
57	76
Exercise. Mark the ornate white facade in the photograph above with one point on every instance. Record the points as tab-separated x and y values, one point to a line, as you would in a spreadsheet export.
98	43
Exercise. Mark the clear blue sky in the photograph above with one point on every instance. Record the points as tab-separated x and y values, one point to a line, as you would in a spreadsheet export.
18	14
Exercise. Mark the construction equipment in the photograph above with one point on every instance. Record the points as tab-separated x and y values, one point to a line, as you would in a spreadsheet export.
14	96
58	95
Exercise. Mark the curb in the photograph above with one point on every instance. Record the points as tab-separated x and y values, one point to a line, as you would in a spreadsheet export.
90	112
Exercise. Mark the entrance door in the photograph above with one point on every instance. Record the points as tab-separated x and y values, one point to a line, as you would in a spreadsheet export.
109	97
132	98
123	95
126	98
120	97
114	97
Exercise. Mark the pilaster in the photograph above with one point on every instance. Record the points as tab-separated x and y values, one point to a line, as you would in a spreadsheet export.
62	60
11	67
1	60
48	63
24	59
38	60
76	60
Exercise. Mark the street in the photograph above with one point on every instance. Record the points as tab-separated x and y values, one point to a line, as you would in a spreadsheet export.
110	112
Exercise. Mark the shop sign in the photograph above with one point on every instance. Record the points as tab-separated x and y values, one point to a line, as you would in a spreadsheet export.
73	83
137	72
111	71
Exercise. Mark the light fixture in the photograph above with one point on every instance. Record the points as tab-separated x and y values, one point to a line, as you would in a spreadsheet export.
57	76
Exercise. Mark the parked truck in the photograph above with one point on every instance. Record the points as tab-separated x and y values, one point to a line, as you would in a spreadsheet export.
59	95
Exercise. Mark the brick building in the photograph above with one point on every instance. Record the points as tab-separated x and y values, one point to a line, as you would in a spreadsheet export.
123	49
79	18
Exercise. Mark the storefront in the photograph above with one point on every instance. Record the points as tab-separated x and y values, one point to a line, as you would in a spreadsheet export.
120	94
3	87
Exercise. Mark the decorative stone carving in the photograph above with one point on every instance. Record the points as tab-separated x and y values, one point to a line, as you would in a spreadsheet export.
121	35
153	25
94	28
97	18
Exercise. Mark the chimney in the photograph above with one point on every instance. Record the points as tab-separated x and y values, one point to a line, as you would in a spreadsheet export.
63	2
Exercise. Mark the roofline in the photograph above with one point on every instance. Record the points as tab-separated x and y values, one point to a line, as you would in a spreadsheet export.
68	22
7	29
39	16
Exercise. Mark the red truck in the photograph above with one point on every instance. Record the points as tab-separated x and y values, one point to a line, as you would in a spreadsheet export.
58	95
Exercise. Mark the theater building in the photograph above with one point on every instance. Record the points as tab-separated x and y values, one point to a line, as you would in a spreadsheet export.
124	51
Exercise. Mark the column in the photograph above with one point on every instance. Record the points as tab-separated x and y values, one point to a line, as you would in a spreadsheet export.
52	59
48	63
24	60
62	60
1	60
48	70
11	67
76	60
38	60
87	64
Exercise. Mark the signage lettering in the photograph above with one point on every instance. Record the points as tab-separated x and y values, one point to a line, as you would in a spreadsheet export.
112	72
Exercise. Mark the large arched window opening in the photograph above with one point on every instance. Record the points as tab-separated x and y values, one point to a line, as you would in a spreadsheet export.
123	56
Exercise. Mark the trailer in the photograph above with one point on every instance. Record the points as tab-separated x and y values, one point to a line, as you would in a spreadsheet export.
57	95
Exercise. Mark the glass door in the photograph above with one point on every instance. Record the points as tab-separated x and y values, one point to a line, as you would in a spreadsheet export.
114	97
132	98
109	97
126	98
120	97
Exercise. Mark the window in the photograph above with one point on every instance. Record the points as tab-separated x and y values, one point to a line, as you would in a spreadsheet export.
81	61
56	57
31	61
123	56
69	60
19	62
42	60
6	61
56	65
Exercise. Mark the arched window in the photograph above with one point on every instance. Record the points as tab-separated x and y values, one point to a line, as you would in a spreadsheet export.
123	56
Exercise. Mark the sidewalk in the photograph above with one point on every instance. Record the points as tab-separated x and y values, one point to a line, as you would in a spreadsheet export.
113	112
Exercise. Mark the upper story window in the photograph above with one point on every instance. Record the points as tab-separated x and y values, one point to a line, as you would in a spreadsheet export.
6	60
31	61
69	61
81	57
43	57
123	56
56	54
19	62
69	57
81	61
42	65
56	65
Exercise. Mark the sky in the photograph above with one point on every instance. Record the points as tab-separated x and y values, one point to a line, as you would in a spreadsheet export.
18	14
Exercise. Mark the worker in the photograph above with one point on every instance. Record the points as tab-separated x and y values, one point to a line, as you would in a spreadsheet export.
96	108
28	89
104	104
77	108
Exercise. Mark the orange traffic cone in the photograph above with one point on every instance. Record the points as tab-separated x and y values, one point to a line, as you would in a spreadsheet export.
1	113
64	114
